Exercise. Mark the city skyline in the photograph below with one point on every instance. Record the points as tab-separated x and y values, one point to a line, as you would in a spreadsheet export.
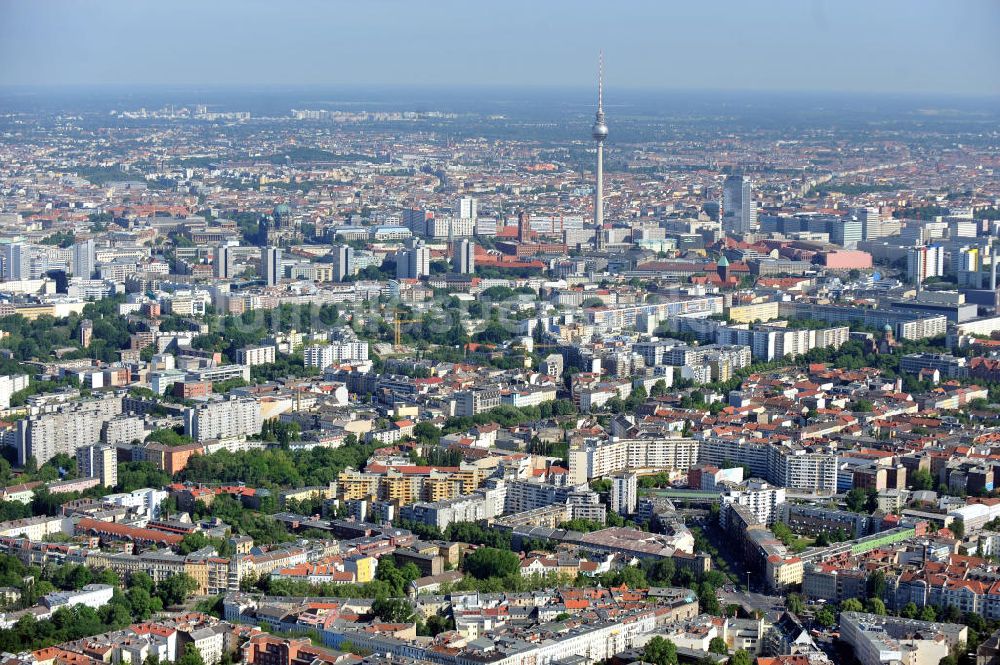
890	47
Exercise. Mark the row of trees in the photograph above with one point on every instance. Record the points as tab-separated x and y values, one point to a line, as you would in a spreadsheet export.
139	600
661	651
511	416
276	467
40	337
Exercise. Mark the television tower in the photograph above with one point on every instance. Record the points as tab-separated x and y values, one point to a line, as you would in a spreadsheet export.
599	132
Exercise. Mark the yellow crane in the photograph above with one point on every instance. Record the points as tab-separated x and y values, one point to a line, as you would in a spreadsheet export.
396	323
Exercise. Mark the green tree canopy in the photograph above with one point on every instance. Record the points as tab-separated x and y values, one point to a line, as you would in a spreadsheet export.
489	562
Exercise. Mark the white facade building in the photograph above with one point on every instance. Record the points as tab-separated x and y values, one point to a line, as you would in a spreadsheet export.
234	417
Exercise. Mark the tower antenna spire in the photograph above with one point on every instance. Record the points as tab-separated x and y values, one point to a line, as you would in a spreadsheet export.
600	82
599	132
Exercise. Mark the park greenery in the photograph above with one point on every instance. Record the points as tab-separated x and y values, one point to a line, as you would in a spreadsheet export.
138	599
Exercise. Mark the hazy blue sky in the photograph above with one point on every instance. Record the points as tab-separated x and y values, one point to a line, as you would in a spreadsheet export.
862	45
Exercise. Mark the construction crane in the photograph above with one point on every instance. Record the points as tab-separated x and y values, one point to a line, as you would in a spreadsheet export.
396	323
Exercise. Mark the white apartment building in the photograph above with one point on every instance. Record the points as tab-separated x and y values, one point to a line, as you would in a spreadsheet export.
91	595
146	500
123	429
72	426
762	499
324	355
98	462
466	207
529	396
483	504
10	385
596	459
799	469
223	419
255	355
36	528
473	402
880	639
771	342
624	493
782	466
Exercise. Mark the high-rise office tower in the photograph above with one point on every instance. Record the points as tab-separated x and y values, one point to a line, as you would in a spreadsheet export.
464	258
739	211
413	262
84	259
846	232
270	261
624	493
871	221
223	262
600	132
343	262
98	461
466	208
924	262
415	219
16	261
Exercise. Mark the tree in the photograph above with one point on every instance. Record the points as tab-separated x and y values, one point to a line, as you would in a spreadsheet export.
631	576
851	605
875	606
392	610
140	580
437	624
741	657
662	572
176	589
958	528
141	604
826	618
794	604
928	614
489	562
921	480
390	574
660	651
426	433
191	656
718	645
909	611
193	542
856	500
876	584
708	600
951	614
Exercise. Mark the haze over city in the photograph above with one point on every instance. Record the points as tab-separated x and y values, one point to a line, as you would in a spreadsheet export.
464	333
851	45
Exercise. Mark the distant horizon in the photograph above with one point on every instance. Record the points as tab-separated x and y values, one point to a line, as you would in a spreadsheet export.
844	46
457	87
